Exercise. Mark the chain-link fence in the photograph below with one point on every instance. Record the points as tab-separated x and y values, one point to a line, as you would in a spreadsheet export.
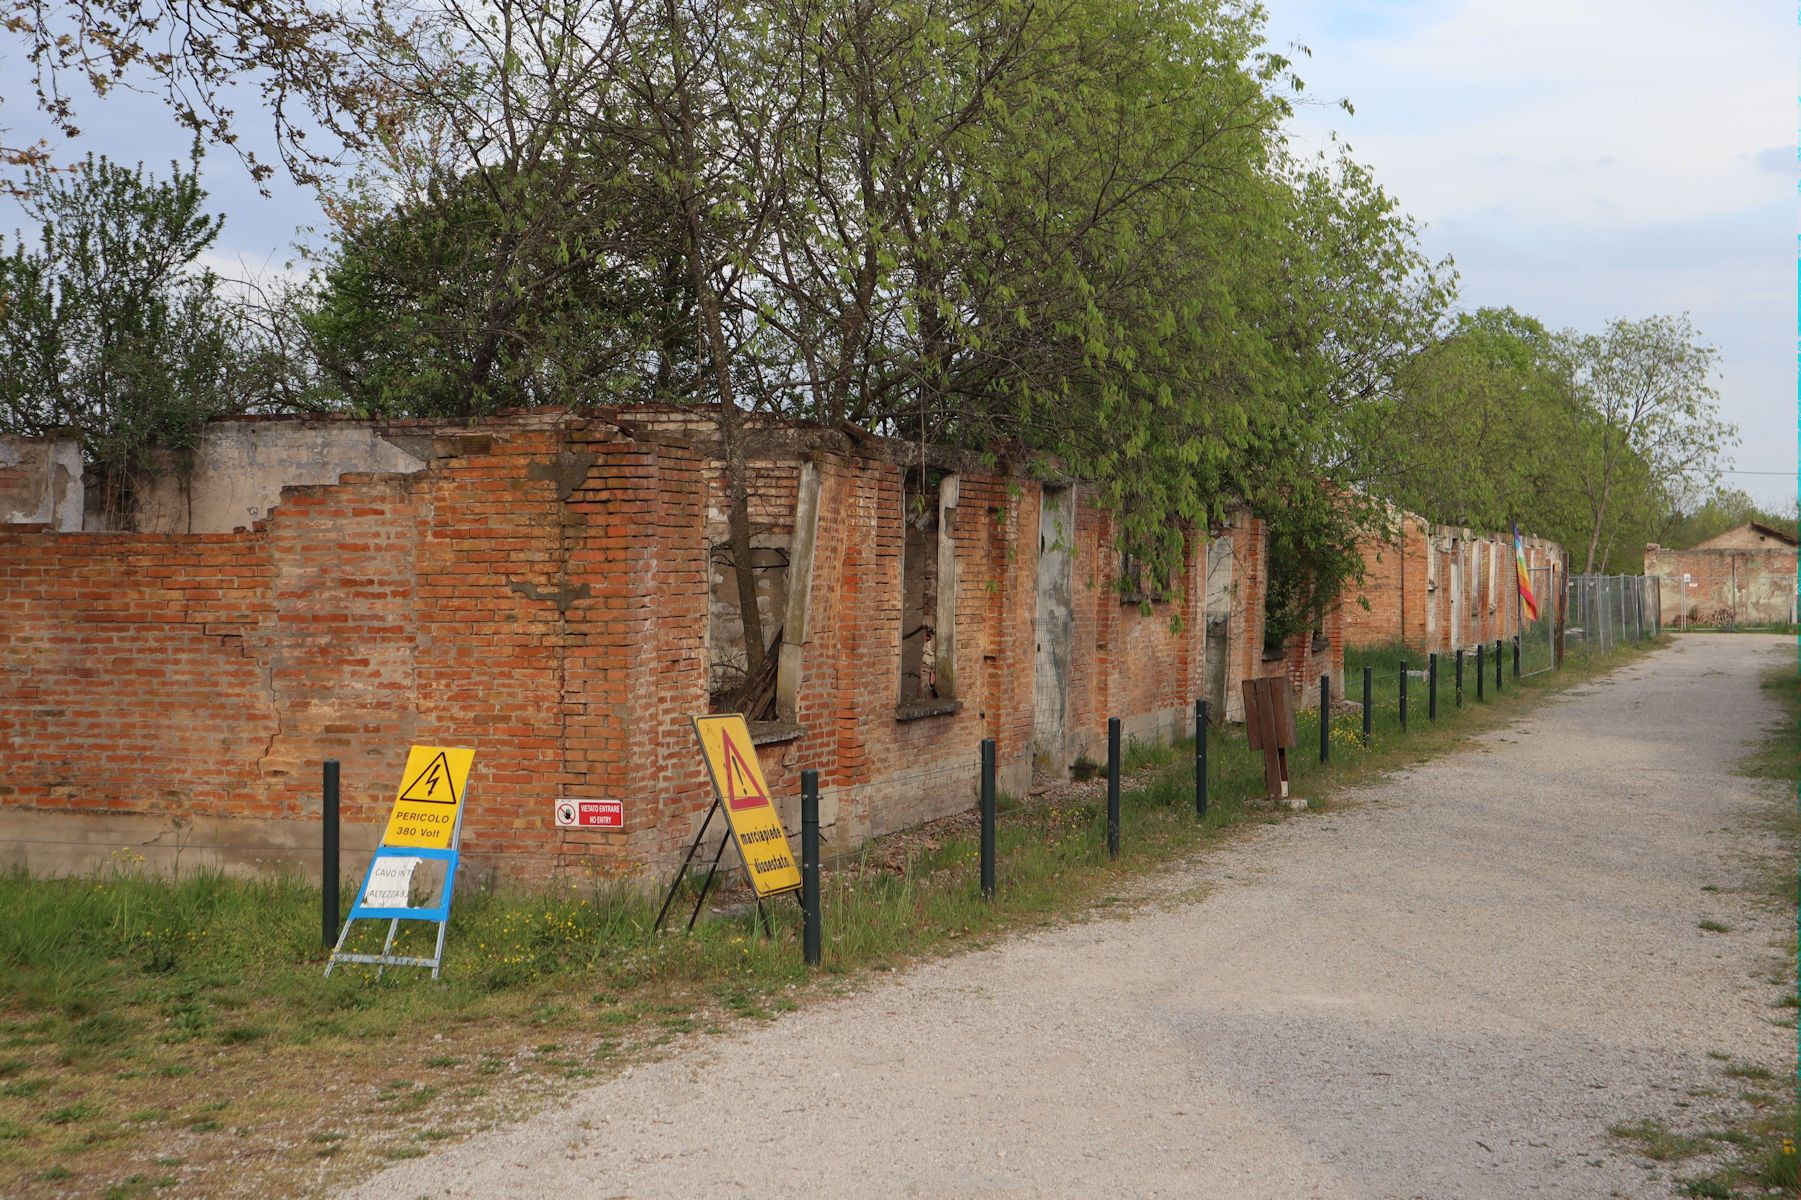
1538	638
1605	611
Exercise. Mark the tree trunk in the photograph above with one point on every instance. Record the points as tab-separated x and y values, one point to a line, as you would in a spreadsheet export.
706	300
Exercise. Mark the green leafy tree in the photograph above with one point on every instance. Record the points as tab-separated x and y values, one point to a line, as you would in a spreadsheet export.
1648	388
108	326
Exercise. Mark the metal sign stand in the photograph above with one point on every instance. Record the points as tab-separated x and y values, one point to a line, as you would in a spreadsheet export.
394	916
707	886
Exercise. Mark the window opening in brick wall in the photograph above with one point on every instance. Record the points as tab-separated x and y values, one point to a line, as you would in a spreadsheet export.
928	589
733	683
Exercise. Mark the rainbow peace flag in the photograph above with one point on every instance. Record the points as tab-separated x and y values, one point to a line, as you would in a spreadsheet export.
1528	601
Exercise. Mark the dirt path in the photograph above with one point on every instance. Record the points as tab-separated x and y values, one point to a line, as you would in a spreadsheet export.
1449	991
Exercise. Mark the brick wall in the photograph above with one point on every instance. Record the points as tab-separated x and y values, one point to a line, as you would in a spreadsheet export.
1724	586
1440	588
541	591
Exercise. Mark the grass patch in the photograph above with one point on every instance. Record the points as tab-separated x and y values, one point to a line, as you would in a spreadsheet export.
1711	926
113	985
1657	1142
1746	1071
1764	1137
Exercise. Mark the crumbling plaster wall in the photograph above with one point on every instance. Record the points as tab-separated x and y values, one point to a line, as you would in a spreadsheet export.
41	482
235	476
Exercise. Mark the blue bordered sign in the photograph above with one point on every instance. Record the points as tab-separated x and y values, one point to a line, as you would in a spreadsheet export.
389	884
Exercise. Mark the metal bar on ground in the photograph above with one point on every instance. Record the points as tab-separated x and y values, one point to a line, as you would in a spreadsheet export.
1325	717
809	867
1112	787
1200	759
988	818
683	869
329	870
707	884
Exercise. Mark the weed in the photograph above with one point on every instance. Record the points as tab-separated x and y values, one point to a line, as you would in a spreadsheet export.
1715	927
1657	1142
1748	1071
56	1173
73	1114
1706	1187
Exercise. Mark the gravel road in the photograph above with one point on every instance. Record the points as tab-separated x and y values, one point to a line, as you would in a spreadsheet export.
1450	989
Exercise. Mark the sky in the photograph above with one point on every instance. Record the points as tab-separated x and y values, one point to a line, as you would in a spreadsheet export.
1579	161
1589	161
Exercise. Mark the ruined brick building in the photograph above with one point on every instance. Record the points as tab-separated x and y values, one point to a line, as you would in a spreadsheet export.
550	589
1745	576
1440	588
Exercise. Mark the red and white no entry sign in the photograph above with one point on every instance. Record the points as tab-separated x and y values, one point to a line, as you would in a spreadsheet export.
590	814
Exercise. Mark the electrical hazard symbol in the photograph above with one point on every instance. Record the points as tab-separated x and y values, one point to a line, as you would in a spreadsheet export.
731	760
434	785
431	792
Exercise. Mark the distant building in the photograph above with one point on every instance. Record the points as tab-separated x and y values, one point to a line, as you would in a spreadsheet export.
1745	576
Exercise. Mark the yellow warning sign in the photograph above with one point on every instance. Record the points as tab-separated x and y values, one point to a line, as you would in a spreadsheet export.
430	797
738	779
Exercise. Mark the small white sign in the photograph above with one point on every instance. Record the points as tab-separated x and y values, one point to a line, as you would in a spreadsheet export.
390	883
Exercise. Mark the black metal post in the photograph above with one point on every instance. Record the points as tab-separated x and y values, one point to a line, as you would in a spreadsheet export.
988	818
1112	787
1325	717
1481	668
1200	759
1432	686
1516	656
1459	678
1368	672
809	867
1497	666
328	857
1403	695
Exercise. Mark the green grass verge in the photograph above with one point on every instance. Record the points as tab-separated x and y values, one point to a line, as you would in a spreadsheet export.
1764	1160
136	1008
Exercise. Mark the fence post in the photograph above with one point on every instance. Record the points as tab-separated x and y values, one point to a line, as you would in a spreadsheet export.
988	818
1112	787
1325	717
1458	692
1403	695
1367	705
1432	686
1497	666
1200	759
1481	667
1516	656
329	871
809	867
